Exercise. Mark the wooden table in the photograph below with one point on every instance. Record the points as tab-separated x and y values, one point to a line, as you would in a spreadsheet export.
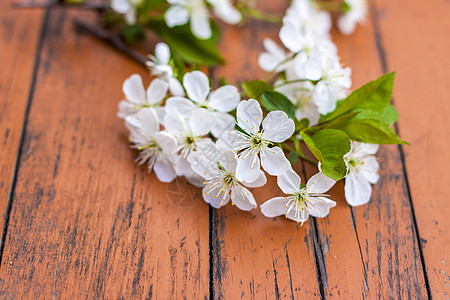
82	221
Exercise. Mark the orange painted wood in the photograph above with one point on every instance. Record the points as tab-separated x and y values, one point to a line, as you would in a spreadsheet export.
19	34
415	36
85	222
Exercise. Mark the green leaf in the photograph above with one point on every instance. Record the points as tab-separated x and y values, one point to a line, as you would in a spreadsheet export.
255	88
372	98
133	33
387	114
191	49
372	131
272	100
148	5
302	124
329	146
293	157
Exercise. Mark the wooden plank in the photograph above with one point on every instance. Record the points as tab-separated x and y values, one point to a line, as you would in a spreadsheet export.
85	222
385	232
419	54
19	35
255	257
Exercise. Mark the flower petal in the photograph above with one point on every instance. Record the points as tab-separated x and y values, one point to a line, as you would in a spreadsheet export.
289	182
277	126
249	115
357	190
175	87
274	162
162	53
243	198
156	91
145	119
179	105
225	98
200	23
260	181
289	36
176	15
224	122
274	207
196	84
134	91
319	183
120	6
320	206
166	142
201	121
164	170
212	195
248	166
125	109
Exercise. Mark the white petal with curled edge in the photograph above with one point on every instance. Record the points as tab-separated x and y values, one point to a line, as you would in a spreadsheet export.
277	126
201	121
369	169
196	84
364	149
146	119
175	87
274	50
176	15
175	122
357	190
179	105
203	165
320	206
200	23
243	198
346	24
260	181
166	141
164	170
274	207
130	16
289	182
249	115
319	183
267	62
182	166
274	162
212	195
226	11
156	91
248	166
134	91
224	122
323	98
162	53
120	6
289	36
227	159
225	98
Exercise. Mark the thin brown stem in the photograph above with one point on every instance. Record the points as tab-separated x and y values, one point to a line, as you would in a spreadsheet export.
113	39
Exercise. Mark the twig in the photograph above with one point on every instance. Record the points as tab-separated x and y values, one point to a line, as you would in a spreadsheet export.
86	5
112	39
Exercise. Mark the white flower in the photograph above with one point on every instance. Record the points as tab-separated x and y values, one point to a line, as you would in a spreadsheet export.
126	7
218	167
137	97
213	105
301	201
363	171
301	94
356	14
225	11
274	59
253	143
156	147
333	81
159	66
306	17
182	10
189	135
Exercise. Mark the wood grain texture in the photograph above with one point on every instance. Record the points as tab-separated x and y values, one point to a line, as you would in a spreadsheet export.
85	222
383	231
19	35
415	38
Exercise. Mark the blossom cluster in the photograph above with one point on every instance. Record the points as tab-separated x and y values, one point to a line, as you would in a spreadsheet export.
225	144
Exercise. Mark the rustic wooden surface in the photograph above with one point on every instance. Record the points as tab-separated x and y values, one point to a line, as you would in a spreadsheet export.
81	221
